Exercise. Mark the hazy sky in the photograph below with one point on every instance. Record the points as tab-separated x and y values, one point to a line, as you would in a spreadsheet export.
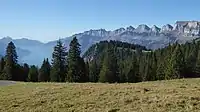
47	20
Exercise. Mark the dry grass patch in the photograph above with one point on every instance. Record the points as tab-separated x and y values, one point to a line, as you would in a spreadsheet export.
175	96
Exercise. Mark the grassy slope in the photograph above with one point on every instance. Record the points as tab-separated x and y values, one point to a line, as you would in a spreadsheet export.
174	95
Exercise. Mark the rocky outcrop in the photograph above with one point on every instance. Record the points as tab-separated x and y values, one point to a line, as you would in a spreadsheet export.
99	33
155	29
182	28
118	31
130	29
152	38
142	28
167	28
188	28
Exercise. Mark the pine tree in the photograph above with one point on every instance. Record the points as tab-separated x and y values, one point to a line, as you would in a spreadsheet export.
2	64
174	63
142	68
148	68
20	73
110	70
197	67
178	62
160	75
190	62
83	71
44	72
132	74
11	61
168	62
122	70
93	71
26	71
86	72
154	66
76	64
33	74
58	63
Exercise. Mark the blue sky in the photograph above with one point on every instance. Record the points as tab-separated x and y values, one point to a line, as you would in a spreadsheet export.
47	20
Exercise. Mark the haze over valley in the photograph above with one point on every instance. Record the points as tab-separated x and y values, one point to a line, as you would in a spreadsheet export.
152	37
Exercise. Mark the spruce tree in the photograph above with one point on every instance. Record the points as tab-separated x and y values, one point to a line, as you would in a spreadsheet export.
122	70
178	62
132	74
93	71
2	64
44	72
110	70
11	61
58	63
197	67
168	62
160	75
83	71
76	64
190	62
33	74
26	71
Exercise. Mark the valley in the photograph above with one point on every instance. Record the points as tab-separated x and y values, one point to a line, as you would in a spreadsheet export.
150	37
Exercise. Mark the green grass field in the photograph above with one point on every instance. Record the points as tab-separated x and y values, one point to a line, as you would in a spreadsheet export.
159	96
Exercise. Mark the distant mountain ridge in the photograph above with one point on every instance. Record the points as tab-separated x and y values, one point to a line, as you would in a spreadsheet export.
150	37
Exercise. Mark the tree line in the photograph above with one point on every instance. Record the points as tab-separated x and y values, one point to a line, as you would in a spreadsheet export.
110	62
65	66
106	61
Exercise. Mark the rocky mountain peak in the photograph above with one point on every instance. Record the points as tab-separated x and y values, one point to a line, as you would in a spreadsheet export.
130	28
119	31
193	24
98	32
188	28
6	39
167	28
155	29
142	28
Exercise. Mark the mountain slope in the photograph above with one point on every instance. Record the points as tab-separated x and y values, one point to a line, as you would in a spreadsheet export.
150	37
96	51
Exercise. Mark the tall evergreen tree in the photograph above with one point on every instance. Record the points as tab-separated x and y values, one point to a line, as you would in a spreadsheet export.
58	63
190	62
2	64
26	71
178	62
160	75
93	72
11	61
44	72
197	66
133	72
33	74
122	70
83	71
76	64
110	70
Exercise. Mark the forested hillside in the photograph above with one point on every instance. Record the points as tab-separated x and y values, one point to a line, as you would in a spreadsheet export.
174	61
106	61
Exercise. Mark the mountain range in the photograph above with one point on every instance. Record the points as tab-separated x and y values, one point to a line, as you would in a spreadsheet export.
33	51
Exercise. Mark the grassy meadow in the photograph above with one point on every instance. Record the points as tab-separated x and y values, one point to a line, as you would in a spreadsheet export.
160	96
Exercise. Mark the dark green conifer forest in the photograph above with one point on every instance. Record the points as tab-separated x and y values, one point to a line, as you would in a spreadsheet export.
106	61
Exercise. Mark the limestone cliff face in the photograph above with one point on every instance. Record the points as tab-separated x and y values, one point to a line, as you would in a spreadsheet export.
167	28
152	37
188	28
